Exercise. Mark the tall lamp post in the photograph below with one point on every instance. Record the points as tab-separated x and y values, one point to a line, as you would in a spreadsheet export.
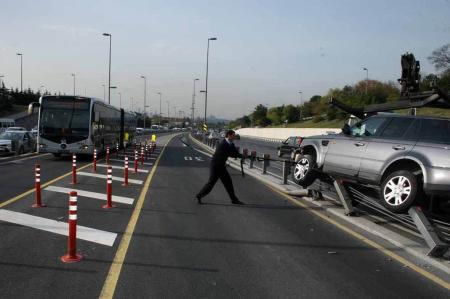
73	75
120	100
300	107
104	92
160	115
109	73
193	102
206	89
145	97
21	71
168	112
367	77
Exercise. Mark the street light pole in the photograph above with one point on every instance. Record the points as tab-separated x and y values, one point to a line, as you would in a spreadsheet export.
193	102
300	107
160	115
21	72
104	92
207	65
73	75
367	77
145	97
168	115
109	73
120	100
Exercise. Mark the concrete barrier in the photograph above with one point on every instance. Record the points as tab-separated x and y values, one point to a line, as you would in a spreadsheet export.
280	134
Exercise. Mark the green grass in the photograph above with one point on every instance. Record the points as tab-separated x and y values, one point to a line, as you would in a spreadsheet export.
15	109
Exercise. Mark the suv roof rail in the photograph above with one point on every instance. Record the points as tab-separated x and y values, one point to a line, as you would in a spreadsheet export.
437	98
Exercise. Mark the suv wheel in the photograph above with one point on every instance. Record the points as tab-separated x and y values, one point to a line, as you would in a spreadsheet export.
304	173
279	153
399	191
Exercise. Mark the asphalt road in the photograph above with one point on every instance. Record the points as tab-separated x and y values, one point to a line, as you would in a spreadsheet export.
269	248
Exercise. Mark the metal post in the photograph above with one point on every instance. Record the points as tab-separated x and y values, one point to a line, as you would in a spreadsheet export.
286	171
109	73
344	197
266	158
252	158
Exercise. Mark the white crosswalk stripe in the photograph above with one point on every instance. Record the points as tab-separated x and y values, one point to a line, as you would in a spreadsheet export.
114	178
96	195
58	227
130	167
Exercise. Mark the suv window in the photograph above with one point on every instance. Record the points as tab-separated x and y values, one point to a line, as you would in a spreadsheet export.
292	141
368	127
397	127
435	130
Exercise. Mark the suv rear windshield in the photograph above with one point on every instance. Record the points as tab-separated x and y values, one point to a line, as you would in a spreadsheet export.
435	130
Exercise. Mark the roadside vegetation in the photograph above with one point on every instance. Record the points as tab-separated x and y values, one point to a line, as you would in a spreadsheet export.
318	113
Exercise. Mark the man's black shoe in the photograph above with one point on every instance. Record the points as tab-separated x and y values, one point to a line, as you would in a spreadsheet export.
237	202
199	200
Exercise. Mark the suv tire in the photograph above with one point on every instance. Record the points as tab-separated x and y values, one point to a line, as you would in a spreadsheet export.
399	191
304	171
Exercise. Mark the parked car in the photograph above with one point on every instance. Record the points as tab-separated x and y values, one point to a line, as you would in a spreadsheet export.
18	142
404	157
288	146
14	129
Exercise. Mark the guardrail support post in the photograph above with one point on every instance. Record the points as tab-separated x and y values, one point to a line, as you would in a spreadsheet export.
252	158
437	247
72	256
286	171
266	158
344	197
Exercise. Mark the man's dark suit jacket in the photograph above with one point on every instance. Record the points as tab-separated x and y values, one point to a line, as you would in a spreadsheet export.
223	151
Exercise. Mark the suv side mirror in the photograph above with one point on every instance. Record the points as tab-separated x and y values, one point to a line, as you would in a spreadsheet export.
346	129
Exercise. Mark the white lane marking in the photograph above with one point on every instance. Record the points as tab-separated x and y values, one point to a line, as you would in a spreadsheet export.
139	157
58	227
114	178
188	158
130	167
23	159
83	193
199	159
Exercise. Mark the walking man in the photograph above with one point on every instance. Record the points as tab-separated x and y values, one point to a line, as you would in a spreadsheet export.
218	170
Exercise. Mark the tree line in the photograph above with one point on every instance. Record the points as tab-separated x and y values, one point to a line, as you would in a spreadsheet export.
362	93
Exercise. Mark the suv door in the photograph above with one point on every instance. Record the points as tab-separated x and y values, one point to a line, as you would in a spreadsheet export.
397	139
345	151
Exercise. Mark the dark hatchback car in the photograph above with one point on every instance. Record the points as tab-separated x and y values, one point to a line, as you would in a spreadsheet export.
288	146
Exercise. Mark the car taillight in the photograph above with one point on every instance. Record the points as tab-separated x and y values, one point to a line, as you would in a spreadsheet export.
299	141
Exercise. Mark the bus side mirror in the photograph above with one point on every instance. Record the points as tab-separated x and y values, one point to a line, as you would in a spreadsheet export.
97	116
32	107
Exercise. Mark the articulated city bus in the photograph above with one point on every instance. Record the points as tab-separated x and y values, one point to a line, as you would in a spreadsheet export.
72	124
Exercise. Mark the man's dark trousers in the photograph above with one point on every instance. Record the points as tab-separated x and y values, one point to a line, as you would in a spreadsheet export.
218	172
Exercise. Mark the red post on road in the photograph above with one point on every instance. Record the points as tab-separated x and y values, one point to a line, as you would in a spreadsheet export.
135	161
142	156
72	256
107	155
146	151
37	186
74	169
108	189
117	150
94	164
125	172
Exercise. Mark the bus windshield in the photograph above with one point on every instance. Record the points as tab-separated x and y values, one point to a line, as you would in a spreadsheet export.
65	118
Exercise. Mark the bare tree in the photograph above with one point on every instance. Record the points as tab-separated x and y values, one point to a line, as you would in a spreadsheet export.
440	57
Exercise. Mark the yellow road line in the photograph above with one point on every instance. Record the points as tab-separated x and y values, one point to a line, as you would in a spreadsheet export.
16	198
110	284
371	243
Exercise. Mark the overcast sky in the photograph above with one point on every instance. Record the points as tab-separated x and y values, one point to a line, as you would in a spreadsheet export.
266	52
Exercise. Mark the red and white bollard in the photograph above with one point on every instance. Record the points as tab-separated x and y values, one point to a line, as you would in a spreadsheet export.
146	151
37	186
117	150
142	156
135	161
74	169
125	172
94	164
107	155
72	256
108	189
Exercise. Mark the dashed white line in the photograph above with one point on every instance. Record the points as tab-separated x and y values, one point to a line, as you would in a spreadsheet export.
130	168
